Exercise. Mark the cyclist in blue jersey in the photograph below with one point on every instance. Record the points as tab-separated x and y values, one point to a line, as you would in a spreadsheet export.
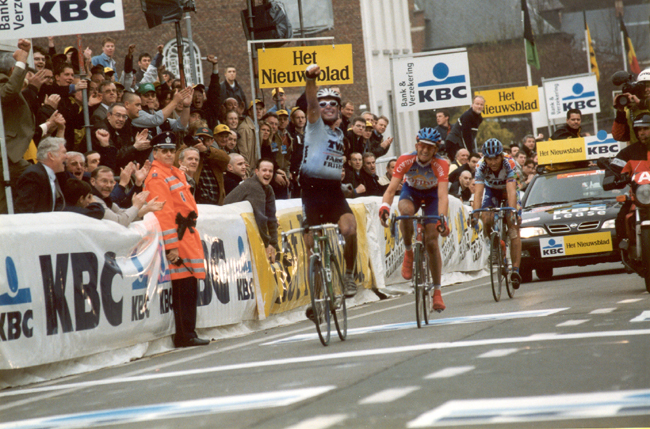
320	173
496	182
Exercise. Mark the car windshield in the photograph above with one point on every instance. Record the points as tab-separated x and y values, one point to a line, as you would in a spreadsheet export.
572	186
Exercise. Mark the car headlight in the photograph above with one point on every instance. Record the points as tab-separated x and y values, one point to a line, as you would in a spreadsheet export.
642	194
532	231
610	224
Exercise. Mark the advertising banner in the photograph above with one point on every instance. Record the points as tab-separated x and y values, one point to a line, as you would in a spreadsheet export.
571	92
579	149
578	244
286	66
510	101
431	82
43	18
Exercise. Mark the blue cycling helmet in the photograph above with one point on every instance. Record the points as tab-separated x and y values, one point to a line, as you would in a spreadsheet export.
429	135
492	148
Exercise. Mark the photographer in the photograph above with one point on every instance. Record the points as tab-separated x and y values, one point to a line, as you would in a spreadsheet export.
631	105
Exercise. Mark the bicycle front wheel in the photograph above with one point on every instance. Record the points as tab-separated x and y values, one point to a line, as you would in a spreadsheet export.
426	293
319	299
507	262
339	309
496	265
418	282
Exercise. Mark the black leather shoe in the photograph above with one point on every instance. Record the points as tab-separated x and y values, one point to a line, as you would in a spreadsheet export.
192	342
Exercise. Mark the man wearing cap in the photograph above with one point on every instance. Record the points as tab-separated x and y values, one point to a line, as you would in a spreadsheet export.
279	100
230	87
321	170
213	164
159	120
182	241
246	144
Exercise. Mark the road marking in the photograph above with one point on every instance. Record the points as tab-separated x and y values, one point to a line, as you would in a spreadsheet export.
644	316
603	310
345	356
450	372
433	322
320	422
536	408
498	353
388	395
170	410
629	301
572	322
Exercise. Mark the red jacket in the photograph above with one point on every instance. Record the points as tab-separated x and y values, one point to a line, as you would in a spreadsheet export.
169	185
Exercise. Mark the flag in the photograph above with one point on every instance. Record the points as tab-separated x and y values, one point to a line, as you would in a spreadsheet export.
592	55
531	50
633	63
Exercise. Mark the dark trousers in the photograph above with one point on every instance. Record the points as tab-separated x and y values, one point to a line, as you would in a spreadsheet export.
184	294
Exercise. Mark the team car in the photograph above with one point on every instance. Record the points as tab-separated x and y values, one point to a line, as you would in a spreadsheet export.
568	219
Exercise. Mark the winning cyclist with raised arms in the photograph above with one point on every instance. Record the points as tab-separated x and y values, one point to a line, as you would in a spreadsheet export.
425	175
320	173
496	182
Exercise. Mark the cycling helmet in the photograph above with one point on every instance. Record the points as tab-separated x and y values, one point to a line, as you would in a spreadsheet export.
328	93
643	121
429	135
492	148
644	76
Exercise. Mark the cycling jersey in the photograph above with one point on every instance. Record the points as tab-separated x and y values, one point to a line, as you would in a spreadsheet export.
498	180
323	152
419	176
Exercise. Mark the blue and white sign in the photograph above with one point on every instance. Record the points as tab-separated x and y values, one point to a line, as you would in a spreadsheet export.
431	82
551	247
573	92
602	145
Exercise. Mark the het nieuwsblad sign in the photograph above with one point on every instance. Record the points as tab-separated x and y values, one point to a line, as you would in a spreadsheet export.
42	18
286	66
510	101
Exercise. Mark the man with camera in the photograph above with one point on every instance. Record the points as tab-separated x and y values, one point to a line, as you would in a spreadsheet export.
631	105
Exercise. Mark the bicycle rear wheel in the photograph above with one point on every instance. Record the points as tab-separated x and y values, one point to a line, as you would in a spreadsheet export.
496	265
341	313
418	280
319	299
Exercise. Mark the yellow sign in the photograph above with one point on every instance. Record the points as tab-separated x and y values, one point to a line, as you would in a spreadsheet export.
510	101
588	243
558	151
286	66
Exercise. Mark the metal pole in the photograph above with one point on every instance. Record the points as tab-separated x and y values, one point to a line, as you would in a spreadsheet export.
179	51
251	58
587	48
5	166
82	73
302	25
624	52
188	25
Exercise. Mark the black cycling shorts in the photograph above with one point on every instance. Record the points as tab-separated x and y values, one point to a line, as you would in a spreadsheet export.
322	201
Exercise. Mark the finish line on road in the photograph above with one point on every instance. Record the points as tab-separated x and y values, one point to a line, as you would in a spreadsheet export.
172	409
320	358
434	322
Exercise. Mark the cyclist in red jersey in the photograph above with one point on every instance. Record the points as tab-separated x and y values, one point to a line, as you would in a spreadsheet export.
425	176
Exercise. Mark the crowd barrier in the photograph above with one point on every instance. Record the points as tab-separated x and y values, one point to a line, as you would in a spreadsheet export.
72	286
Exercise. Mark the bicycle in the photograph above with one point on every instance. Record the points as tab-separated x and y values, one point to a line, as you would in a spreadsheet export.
421	273
325	283
500	265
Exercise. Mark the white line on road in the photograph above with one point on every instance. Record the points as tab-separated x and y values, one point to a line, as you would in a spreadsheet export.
603	310
320	358
170	410
629	301
572	322
320	422
642	317
498	353
450	372
388	395
478	412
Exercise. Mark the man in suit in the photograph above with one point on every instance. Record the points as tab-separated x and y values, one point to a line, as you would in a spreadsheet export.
18	118
38	188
